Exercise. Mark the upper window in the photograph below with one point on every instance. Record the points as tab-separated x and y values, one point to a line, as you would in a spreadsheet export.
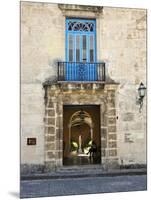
81	25
80	40
81	48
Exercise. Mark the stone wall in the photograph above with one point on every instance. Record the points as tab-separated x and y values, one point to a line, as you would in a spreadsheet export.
40	48
121	43
123	46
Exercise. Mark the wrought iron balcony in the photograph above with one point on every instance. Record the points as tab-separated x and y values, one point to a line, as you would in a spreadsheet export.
78	71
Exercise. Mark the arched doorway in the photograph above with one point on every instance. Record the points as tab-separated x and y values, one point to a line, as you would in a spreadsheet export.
81	130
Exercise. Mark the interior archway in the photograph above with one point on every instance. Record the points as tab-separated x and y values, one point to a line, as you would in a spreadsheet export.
80	133
81	128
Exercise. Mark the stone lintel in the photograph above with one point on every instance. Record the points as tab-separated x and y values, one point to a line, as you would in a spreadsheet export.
73	7
60	86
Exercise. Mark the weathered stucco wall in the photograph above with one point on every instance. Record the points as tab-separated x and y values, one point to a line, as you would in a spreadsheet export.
121	43
41	45
123	46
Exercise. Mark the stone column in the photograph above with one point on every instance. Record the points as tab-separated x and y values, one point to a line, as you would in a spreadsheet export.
49	135
59	132
111	137
51	129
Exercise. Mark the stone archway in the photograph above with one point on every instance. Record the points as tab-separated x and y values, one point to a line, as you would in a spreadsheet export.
80	118
56	97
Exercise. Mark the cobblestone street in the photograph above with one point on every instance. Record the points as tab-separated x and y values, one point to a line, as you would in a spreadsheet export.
77	186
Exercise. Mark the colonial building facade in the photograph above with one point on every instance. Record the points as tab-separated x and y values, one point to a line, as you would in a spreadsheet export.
81	67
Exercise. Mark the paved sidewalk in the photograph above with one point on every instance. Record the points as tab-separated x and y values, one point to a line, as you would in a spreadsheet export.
78	186
83	173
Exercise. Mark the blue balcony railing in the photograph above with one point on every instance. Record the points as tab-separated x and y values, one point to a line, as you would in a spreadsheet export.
78	71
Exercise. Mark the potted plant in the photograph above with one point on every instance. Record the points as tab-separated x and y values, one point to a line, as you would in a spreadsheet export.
74	147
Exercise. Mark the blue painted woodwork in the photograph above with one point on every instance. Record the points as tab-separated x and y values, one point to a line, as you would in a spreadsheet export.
80	49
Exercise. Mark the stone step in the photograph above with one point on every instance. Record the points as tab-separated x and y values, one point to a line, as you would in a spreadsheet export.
86	174
80	169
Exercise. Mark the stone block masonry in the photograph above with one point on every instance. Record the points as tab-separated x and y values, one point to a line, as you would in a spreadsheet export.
66	96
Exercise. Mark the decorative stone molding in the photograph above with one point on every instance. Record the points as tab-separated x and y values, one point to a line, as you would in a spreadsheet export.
71	7
80	10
